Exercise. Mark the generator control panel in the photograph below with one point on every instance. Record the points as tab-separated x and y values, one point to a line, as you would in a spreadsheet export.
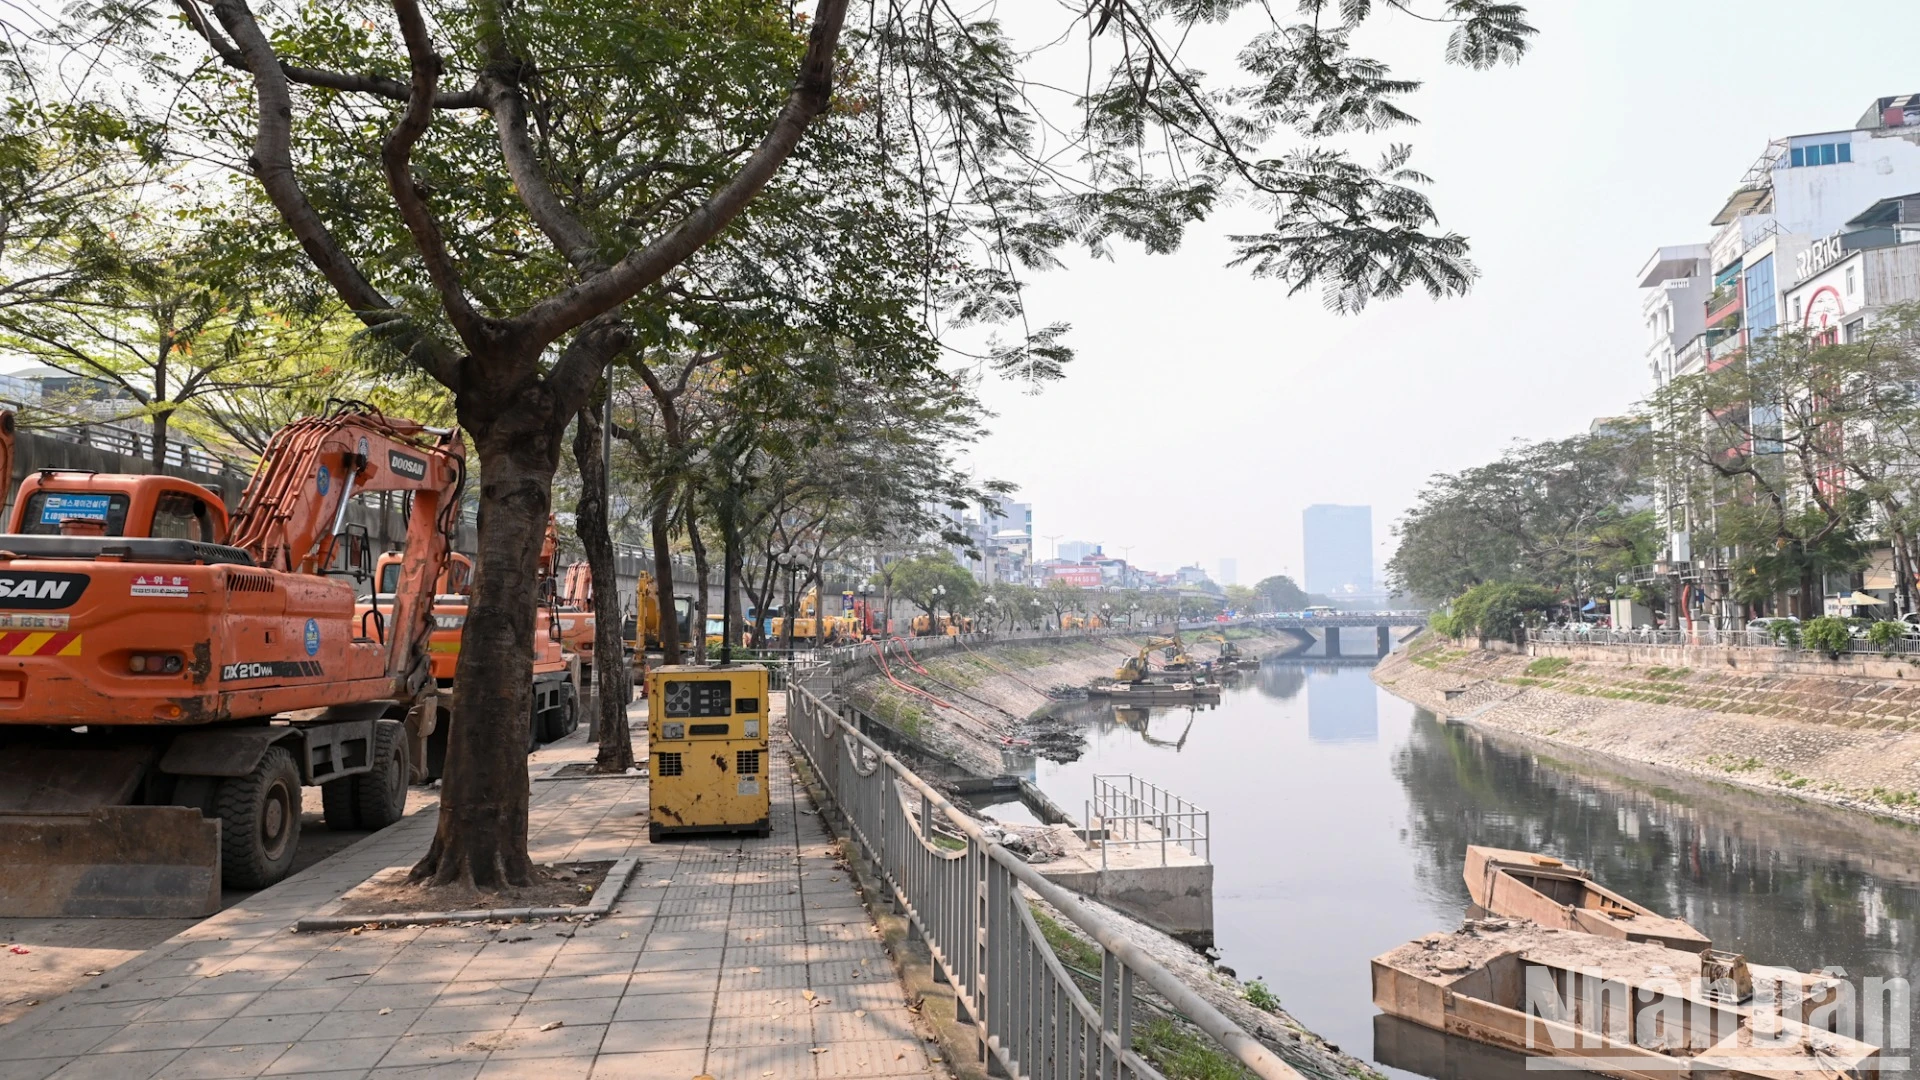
707	730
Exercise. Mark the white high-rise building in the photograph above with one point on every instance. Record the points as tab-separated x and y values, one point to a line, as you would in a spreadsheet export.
1229	571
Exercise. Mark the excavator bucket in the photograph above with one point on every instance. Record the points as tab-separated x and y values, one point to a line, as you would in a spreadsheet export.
68	848
159	862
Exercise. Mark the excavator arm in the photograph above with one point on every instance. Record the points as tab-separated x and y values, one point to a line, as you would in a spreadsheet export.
294	512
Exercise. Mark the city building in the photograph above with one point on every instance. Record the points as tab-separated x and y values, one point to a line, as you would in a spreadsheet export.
1673	306
1074	551
1338	544
1013	517
1844	281
1229	572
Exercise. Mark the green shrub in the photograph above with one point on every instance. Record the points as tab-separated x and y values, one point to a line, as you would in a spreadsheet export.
1784	633
1441	623
1498	609
1830	635
1261	997
1885	633
1548	666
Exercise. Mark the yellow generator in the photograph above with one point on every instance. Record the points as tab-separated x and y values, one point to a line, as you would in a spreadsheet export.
708	732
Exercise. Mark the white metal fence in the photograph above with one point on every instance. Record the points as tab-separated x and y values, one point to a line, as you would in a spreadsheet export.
969	905
1134	813
1704	636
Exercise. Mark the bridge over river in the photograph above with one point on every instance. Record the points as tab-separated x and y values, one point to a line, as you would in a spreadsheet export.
1325	629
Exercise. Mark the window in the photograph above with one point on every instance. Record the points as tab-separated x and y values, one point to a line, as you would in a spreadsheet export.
1820	154
47	509
1854	330
180	516
1797	302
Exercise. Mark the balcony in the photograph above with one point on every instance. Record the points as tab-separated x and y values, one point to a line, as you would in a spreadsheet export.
1723	350
1722	302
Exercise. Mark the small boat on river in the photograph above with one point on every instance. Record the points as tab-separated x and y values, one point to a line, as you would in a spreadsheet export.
1542	889
1635	1010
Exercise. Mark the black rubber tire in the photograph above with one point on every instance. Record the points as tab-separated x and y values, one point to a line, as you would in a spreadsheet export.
260	822
380	796
340	805
437	746
560	721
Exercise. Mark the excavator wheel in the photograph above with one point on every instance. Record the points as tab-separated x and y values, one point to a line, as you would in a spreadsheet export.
259	822
561	720
380	796
338	805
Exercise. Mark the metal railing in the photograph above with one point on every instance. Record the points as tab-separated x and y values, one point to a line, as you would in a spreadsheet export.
969	906
1135	813
1747	638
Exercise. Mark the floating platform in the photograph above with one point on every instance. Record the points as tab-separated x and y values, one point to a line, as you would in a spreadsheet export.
1154	692
1619	1008
1544	890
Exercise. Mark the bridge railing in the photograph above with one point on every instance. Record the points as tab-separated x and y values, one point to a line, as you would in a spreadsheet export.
969	905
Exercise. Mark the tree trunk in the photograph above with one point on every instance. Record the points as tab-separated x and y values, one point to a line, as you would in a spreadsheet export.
663	586
160	420
698	629
609	654
481	839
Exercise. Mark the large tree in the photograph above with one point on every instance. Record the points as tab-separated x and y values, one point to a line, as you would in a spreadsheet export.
612	145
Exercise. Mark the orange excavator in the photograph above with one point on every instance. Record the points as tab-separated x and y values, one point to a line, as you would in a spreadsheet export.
169	683
556	697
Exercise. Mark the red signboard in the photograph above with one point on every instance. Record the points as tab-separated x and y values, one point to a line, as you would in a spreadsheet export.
1086	577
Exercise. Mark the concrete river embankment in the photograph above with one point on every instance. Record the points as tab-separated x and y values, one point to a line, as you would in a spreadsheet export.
1341	814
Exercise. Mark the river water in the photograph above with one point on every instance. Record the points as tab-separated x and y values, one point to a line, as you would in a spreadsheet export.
1341	815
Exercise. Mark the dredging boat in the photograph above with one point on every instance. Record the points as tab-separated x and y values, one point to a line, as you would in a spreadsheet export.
1540	888
1173	692
1619	1008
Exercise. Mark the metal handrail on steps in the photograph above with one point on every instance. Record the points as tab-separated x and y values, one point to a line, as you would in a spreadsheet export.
967	904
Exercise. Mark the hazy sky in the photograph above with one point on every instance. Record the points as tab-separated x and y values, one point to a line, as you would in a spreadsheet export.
1206	409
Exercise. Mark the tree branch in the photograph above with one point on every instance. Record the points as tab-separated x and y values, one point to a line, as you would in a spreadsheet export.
396	157
604	291
376	85
543	204
272	164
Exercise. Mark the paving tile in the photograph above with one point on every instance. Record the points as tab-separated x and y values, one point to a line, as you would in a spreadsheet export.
663	1007
31	1068
673	982
645	1036
660	1065
680	960
895	1058
579	986
755	1062
586	962
450	1070
288	1002
364	1024
571	1040
570	1011
135	1065
217	1062
245	1030
782	1025
163	1035
779	976
93	1014
438	1048
315	1055
567	1068
443	1018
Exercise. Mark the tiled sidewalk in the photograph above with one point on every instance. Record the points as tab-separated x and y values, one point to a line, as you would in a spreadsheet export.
732	957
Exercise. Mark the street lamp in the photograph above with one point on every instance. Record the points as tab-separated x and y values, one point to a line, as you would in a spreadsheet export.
933	617
791	565
866	606
992	606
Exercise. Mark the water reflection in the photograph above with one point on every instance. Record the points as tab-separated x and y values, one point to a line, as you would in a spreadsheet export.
1341	818
1343	710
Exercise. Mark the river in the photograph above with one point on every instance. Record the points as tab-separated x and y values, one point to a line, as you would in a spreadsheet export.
1341	814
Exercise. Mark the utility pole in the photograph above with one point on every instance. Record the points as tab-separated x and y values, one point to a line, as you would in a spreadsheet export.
1053	544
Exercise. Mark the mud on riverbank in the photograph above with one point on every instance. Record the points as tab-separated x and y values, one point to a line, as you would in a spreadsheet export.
1767	734
997	697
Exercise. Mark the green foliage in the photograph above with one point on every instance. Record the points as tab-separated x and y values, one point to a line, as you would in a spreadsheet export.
1830	635
1498	609
1442	623
1260	996
1072	949
1548	666
1280	593
1784	633
1556	514
936	583
1182	1054
1885	633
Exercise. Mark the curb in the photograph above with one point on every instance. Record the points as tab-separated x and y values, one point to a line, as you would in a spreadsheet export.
599	905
